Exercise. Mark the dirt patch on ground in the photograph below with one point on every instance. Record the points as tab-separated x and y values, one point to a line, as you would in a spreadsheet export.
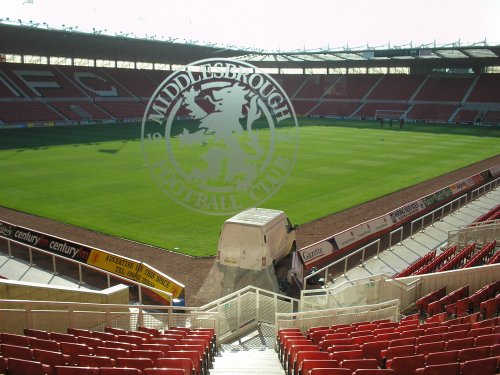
197	273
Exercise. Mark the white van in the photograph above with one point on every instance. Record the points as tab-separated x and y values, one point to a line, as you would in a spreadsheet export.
255	238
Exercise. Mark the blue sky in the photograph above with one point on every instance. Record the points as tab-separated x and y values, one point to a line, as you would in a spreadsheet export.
276	24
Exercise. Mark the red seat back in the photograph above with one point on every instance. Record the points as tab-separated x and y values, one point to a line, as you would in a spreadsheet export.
183	363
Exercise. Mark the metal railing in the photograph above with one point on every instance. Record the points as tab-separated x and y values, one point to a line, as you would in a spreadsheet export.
325	270
432	214
242	311
230	316
363	291
58	316
347	315
480	232
484	188
81	267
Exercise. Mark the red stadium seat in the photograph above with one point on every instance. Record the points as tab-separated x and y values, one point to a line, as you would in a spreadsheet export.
13	339
38	333
52	358
36	343
76	370
438	358
330	371
95	360
79	332
430	347
112	352
364	363
62	337
182	363
138	363
18	366
477	352
151	354
104	336
164	371
348	354
308	364
193	355
115	331
119	371
467	342
491	339
74	349
441	369
407	364
303	355
480	366
14	351
385	371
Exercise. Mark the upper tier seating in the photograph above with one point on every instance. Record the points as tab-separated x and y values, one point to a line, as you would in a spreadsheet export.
431	112
466	115
354	86
486	89
396	87
444	89
39	81
330	108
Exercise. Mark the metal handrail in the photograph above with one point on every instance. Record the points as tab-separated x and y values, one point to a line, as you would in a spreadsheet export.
344	259
490	186
80	265
432	213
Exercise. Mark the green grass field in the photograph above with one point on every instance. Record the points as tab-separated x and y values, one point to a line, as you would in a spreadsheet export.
94	176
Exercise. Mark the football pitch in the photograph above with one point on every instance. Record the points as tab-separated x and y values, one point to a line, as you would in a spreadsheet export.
95	176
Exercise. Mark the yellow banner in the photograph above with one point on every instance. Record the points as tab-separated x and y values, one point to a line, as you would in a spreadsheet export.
139	272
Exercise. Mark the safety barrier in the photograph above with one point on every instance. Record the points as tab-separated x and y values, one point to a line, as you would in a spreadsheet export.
242	311
325	271
230	316
364	291
460	201
476	193
15	315
305	320
91	271
480	232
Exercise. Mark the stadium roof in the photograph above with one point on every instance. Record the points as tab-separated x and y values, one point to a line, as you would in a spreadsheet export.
26	40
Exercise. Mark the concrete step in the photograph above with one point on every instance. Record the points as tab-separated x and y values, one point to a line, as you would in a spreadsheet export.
247	362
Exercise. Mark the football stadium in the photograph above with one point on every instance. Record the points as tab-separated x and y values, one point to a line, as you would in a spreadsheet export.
183	207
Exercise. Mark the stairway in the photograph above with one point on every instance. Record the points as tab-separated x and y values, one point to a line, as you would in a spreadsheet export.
253	354
247	362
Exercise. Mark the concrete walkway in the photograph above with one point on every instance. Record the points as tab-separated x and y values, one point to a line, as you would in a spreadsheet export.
397	258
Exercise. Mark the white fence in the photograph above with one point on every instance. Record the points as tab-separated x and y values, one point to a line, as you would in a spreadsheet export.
475	277
230	316
15	315
241	311
365	291
305	320
480	233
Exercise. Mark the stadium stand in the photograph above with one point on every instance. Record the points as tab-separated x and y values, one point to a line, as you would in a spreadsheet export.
444	89
486	89
58	93
396	87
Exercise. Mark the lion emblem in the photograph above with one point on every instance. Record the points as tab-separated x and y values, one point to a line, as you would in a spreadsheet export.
235	145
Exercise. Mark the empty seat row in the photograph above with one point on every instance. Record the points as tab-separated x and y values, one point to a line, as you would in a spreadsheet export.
14	366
